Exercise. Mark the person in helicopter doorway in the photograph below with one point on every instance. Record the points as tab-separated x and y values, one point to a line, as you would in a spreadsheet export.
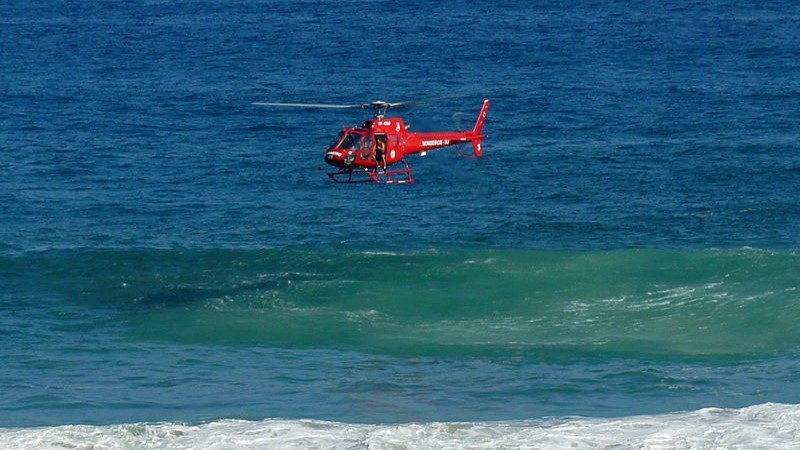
380	151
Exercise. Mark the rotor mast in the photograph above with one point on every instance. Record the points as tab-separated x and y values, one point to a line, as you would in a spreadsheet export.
380	108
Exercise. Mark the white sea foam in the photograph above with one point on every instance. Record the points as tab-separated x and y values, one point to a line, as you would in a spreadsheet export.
768	426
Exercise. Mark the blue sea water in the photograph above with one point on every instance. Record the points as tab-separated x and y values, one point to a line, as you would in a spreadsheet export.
620	270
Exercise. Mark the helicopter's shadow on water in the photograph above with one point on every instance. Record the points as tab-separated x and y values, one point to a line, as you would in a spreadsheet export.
185	296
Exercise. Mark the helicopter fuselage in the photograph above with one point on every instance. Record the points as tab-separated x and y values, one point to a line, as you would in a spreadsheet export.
360	148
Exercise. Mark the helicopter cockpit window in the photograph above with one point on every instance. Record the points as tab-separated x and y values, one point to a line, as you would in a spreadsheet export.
336	142
354	141
366	142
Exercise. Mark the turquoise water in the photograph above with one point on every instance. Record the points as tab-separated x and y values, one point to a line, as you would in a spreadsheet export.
150	335
619	270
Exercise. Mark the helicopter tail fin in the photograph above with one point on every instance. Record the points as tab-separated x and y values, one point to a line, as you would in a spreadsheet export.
478	128
481	118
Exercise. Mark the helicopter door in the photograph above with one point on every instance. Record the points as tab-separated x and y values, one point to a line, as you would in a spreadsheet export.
381	148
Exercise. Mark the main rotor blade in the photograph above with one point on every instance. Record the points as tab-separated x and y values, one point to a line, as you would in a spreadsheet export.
308	105
382	104
379	106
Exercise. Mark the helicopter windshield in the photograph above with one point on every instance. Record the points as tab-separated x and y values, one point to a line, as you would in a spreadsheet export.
349	140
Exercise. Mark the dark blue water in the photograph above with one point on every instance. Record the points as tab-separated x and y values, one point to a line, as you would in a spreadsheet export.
613	125
171	252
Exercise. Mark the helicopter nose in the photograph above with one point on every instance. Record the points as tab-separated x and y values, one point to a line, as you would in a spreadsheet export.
334	157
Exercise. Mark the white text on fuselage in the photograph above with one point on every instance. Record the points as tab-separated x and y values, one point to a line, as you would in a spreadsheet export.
436	142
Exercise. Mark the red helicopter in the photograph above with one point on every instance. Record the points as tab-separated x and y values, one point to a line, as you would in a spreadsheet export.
367	153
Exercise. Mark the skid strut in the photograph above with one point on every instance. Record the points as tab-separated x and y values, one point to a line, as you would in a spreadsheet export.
374	175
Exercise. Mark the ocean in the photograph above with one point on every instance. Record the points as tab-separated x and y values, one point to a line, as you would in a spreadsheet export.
620	269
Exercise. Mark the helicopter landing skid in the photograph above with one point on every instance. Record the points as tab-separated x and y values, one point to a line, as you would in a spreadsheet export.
374	175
